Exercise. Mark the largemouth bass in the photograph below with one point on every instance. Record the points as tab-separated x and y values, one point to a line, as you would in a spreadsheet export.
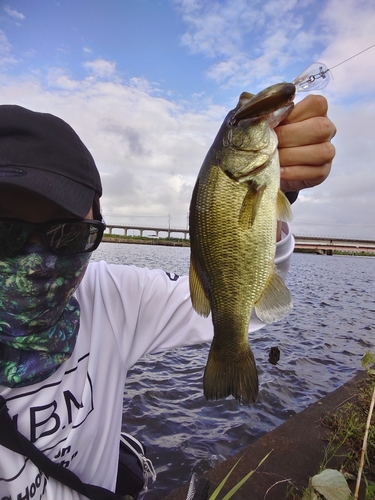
233	217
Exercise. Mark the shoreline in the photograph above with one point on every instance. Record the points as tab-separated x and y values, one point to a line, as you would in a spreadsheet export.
180	242
298	449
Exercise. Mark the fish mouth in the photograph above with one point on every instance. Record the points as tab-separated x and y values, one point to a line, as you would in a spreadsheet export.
266	102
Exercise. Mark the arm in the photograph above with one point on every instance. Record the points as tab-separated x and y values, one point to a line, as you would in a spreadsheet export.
145	310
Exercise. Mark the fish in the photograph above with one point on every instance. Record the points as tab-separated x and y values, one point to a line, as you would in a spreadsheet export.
234	209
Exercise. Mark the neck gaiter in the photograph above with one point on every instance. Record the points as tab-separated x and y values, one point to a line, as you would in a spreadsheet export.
39	317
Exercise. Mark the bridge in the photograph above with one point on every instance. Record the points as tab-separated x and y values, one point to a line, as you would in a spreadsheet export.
318	244
156	230
322	244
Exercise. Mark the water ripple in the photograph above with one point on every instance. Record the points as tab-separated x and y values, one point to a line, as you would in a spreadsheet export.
321	345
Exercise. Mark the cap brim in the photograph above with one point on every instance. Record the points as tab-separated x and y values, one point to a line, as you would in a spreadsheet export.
67	194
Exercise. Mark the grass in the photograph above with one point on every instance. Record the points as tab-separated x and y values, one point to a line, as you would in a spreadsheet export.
145	240
352	439
348	425
235	488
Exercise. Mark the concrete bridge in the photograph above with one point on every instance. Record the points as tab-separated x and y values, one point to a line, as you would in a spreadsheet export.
156	230
319	244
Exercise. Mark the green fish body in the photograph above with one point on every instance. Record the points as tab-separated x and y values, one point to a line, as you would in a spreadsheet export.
234	210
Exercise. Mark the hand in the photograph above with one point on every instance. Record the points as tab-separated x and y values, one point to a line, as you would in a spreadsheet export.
305	148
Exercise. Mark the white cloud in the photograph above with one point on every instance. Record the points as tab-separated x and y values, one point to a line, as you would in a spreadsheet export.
13	13
101	68
6	57
57	77
148	149
247	41
350	26
344	205
249	44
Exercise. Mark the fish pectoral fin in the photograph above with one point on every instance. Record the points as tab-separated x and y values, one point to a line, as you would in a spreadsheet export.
283	208
275	302
200	302
250	205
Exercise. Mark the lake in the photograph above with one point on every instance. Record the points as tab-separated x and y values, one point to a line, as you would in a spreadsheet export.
321	342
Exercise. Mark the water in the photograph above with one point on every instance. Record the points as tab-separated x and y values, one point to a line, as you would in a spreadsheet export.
321	342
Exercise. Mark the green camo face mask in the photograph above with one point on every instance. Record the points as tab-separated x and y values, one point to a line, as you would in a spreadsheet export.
39	317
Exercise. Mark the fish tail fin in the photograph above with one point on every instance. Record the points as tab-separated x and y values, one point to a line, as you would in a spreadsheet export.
237	377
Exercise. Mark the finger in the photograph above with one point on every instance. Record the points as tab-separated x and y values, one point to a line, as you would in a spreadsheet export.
303	176
310	131
311	154
312	175
309	107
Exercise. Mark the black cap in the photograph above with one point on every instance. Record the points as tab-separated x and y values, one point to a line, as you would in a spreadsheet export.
41	153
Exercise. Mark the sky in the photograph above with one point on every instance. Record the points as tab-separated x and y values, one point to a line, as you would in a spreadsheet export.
146	84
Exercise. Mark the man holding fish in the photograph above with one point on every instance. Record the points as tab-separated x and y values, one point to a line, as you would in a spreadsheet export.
70	330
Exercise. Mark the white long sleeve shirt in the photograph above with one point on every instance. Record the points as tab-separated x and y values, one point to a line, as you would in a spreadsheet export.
75	415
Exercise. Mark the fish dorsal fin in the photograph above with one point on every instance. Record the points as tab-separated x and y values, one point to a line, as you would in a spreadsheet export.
283	208
275	302
199	299
250	205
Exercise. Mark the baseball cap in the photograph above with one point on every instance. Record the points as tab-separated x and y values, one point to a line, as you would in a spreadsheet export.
41	153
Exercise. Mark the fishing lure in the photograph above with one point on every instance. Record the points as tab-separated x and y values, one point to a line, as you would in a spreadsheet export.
317	75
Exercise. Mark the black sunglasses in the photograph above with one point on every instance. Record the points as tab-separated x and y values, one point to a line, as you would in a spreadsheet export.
63	237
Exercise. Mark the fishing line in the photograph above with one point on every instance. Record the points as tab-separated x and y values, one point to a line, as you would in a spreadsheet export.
317	76
355	55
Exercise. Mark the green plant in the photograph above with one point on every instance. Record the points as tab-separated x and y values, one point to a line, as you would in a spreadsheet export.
329	483
352	428
239	484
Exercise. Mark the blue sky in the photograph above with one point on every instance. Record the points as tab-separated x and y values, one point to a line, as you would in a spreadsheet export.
146	84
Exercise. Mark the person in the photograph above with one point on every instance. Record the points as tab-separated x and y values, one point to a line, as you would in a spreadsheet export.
69	329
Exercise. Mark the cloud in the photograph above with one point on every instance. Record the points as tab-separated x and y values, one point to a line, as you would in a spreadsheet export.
147	148
249	44
57	77
6	57
13	13
350	29
101	68
247	41
345	203
271	39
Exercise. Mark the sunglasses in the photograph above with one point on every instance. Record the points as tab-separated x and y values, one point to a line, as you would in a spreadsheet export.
63	237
